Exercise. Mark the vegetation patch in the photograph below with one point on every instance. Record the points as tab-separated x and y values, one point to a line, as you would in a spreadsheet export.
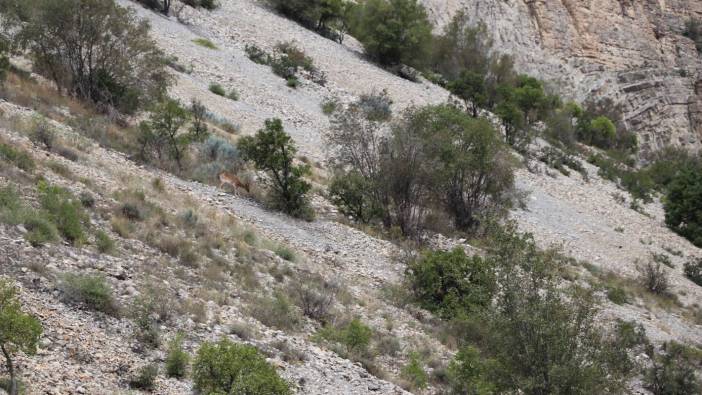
226	367
203	42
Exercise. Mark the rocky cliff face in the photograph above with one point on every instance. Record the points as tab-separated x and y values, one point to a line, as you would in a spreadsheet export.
632	51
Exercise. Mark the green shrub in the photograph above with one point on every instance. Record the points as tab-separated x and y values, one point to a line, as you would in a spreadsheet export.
533	316
654	278
230	368
285	253
329	106
292	82
17	157
43	133
217	89
257	55
177	359
450	283
91	291
146	330
355	336
683	204
414	373
203	42
469	373
617	295
693	271
276	312
64	211
145	378
273	151
40	231
349	191
673	373
393	31
599	132
233	95
104	243
162	135
87	200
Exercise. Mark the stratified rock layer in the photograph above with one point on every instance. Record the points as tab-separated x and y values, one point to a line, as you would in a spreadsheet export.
632	51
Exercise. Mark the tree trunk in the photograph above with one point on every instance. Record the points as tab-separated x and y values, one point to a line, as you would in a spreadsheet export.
11	370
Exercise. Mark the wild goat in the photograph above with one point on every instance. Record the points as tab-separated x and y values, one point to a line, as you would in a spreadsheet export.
235	182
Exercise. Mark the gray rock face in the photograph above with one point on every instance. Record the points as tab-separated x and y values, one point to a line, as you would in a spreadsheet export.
633	52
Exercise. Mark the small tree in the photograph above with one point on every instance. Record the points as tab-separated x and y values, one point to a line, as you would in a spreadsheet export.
162	133
272	150
393	31
470	87
229	368
19	331
683	204
462	48
95	50
545	339
469	173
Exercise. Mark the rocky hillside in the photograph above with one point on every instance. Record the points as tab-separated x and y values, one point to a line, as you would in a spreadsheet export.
217	262
633	52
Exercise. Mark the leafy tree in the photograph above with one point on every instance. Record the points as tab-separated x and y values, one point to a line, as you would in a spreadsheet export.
319	15
512	118
434	157
272	150
451	283
358	146
462	48
599	132
683	204
470	175
393	31
95	50
470	86
349	191
544	339
161	133
19	331
673	372
229	368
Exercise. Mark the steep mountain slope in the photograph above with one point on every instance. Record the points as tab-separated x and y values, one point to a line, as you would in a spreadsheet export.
633	52
83	352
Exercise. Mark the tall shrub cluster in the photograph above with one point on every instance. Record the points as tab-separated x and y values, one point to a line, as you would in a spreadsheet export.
164	135
434	159
327	17
94	50
272	150
533	335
